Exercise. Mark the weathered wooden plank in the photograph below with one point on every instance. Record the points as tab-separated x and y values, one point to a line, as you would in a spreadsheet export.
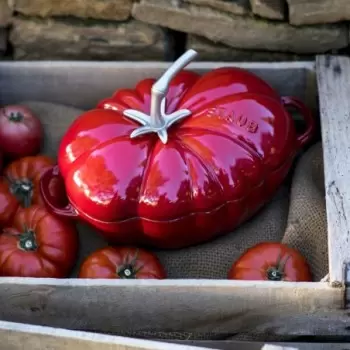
303	12
241	32
333	75
17	336
272	9
203	306
13	336
257	345
347	284
28	80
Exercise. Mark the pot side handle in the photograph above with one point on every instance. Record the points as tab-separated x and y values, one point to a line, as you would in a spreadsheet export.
53	173
309	119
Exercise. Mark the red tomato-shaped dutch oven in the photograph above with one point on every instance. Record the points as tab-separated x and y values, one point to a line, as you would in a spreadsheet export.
178	161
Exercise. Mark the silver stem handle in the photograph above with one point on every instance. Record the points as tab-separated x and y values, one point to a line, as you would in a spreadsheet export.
161	86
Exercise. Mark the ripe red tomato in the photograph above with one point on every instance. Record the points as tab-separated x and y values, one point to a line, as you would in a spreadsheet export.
38	244
271	261
122	263
21	131
19	185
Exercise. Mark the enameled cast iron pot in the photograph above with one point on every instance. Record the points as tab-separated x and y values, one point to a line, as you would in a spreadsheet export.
178	161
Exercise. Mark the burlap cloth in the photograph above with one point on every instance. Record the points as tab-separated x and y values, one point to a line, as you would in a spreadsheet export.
296	216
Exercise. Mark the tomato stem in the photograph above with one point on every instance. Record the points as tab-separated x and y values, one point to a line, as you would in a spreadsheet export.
27	240
127	272
276	273
22	190
15	117
128	269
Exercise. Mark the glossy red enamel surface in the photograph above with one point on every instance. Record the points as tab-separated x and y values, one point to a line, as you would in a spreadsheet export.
219	167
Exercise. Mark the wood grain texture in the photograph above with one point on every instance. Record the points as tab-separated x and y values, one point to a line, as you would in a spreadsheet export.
257	345
13	336
198	306
46	79
333	76
17	336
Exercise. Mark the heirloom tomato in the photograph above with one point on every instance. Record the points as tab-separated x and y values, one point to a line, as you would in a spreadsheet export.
271	261
178	161
38	244
122	263
21	131
19	185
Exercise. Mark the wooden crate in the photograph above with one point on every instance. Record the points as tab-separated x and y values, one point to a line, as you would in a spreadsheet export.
200	306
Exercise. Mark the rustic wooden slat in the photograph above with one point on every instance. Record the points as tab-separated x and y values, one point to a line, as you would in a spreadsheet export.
333	77
289	78
17	336
257	345
347	284
13	336
203	306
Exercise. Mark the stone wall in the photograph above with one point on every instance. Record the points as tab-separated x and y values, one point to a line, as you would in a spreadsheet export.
222	30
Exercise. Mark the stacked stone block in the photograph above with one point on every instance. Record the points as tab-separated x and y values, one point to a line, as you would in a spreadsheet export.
221	30
83	30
